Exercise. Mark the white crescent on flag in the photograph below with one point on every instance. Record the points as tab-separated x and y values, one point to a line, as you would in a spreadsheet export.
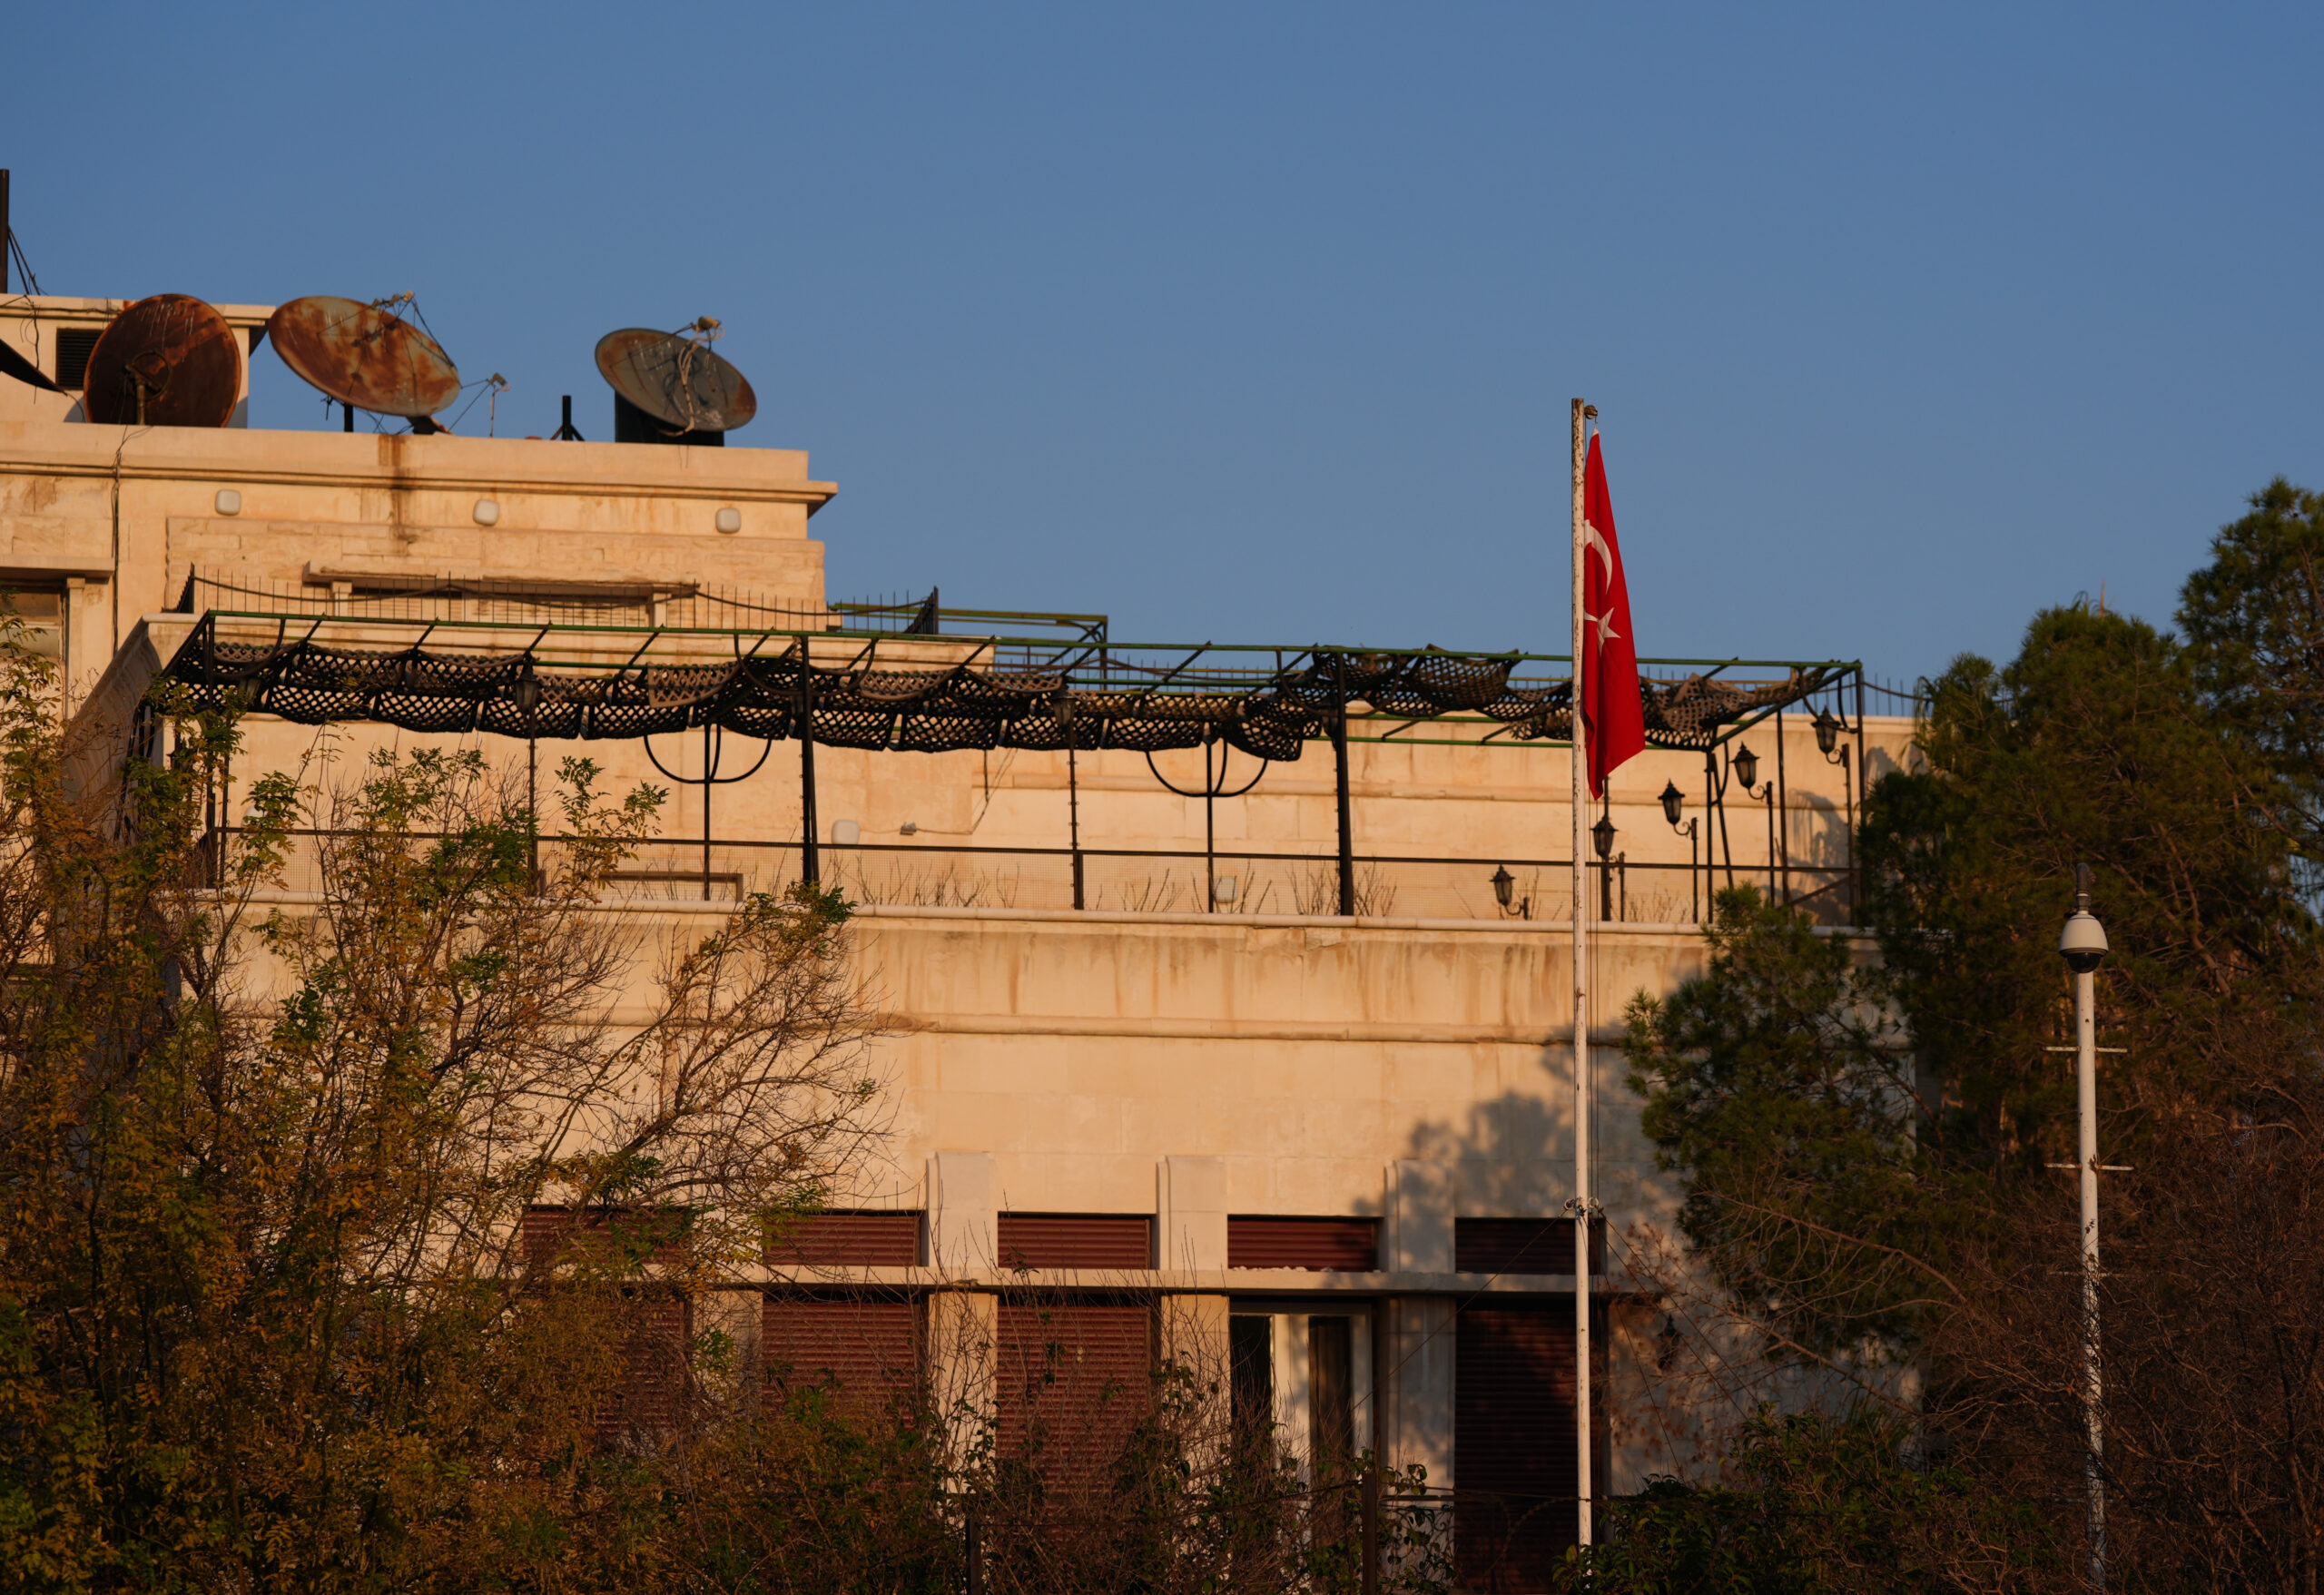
1596	542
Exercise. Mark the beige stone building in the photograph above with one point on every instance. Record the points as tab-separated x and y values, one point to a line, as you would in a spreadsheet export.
1141	1056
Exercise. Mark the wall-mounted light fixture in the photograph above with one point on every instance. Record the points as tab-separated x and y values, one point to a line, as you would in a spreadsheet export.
1828	732
1673	801
1505	892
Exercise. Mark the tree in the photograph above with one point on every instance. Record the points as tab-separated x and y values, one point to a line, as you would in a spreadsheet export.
1817	1504
2109	742
2094	745
338	1222
363	1191
1779	1082
2254	622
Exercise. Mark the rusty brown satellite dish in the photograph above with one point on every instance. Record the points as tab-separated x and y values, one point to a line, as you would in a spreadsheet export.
675	380
363	357
168	361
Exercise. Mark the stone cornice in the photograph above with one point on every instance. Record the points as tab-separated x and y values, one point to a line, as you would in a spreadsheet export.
403	462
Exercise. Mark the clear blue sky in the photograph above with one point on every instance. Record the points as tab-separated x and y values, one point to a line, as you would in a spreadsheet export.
1258	322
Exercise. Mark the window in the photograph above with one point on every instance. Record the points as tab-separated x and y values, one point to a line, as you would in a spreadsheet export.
657	1319
1345	1245
618	1237
1519	1245
1250	1341
654	1365
42	613
1075	1378
1077	1240
865	1352
73	347
1304	1377
1512	1443
849	1240
1331	1392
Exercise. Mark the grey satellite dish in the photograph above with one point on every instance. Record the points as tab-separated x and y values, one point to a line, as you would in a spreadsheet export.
671	388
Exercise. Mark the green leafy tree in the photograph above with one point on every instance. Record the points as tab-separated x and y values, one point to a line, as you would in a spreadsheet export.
2254	623
2097	746
1780	1083
2177	770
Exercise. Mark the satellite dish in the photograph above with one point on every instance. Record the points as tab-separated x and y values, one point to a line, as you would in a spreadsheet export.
168	361
677	386
364	357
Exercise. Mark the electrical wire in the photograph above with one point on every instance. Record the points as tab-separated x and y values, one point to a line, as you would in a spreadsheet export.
23	267
494	384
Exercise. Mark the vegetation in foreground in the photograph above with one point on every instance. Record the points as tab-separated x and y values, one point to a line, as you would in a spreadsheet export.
1871	1152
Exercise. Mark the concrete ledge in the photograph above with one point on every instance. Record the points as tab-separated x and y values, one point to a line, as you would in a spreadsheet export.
1266	1282
1230	1029
405	462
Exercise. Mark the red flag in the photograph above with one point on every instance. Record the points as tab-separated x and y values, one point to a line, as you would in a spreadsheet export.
1609	697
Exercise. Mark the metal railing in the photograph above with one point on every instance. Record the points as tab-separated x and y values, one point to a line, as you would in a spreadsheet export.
1159	880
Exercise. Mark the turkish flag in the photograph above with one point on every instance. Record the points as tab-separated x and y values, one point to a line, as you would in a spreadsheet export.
1610	697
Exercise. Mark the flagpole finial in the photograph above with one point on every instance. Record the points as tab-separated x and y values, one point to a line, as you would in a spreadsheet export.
1589	412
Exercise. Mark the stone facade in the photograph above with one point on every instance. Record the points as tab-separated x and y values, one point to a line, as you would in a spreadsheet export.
1169	1052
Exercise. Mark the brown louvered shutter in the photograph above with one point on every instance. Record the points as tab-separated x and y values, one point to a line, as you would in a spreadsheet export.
542	1235
849	1240
1516	1246
546	1233
1077	1240
1345	1245
1075	1378
1513	1444
867	1353
657	1319
652	1397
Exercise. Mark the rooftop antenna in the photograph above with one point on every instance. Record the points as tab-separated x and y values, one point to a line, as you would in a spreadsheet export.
671	388
9	248
366	357
13	363
170	360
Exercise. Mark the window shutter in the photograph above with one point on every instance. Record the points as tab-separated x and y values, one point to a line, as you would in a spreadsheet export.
849	1240
652	1398
867	1353
1516	1246
1075	1379
1513	1444
1343	1245
1077	1240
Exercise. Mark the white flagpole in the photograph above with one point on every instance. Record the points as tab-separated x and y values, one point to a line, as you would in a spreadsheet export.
1583	1205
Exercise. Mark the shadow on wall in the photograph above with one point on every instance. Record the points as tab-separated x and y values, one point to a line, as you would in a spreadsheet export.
1666	1392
